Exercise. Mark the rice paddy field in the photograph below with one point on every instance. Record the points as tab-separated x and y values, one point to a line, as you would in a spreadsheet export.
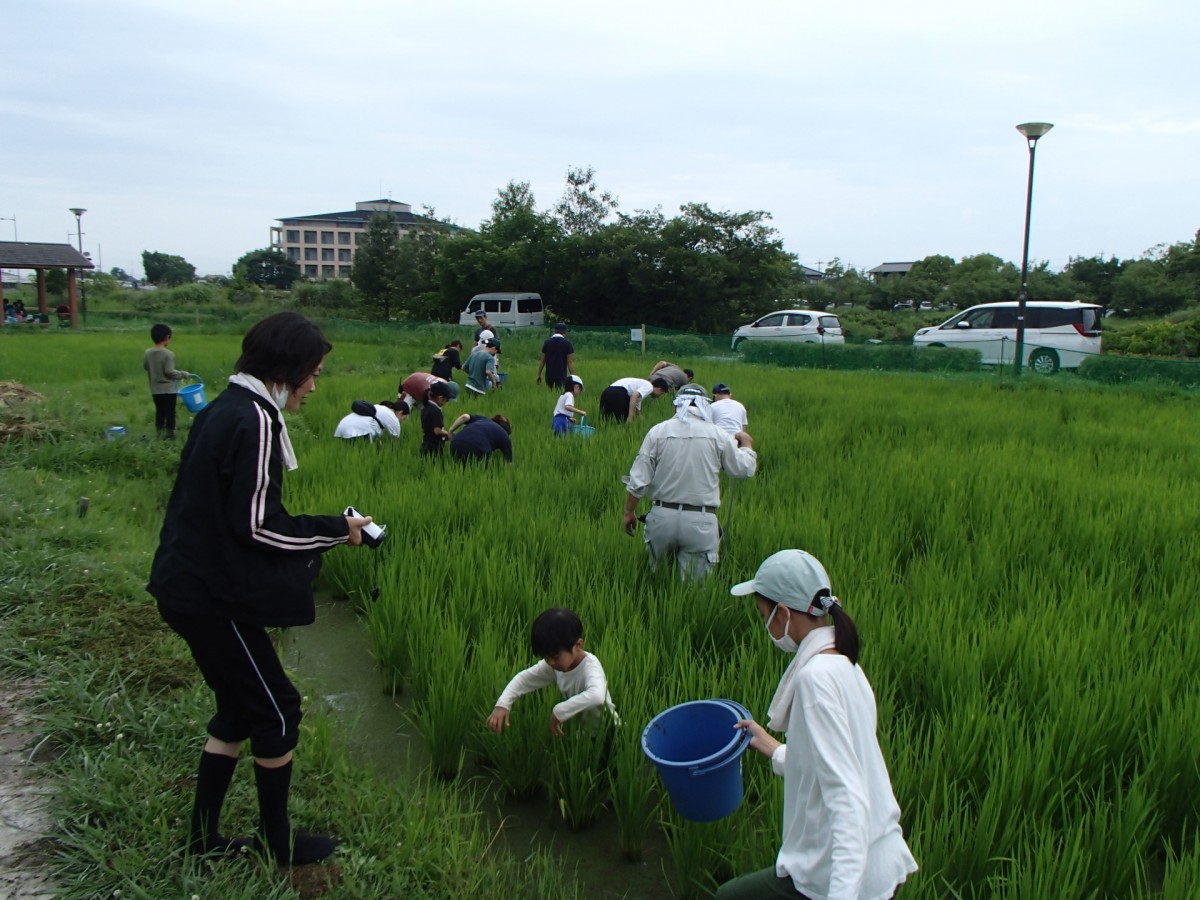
1022	561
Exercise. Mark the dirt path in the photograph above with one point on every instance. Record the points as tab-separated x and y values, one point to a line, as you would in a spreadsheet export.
25	823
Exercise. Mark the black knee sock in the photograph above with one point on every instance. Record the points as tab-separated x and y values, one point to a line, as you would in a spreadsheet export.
298	849
212	782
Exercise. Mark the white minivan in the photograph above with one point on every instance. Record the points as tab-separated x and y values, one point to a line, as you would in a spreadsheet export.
511	310
1057	334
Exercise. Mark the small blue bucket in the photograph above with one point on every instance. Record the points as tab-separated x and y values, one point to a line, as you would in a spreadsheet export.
698	754
583	429
193	397
115	433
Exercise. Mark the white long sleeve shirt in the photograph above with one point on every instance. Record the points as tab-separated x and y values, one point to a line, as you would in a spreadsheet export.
683	459
584	688
841	823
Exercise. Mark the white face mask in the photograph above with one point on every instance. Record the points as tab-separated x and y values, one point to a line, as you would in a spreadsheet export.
786	643
280	396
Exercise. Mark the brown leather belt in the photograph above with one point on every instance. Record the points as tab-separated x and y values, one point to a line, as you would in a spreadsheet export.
686	507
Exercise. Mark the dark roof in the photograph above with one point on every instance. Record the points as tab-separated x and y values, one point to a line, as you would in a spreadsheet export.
891	268
355	215
22	255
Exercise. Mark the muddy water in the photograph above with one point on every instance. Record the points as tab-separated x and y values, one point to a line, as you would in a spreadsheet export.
333	657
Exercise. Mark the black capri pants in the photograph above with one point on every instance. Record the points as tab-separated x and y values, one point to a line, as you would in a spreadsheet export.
256	701
614	403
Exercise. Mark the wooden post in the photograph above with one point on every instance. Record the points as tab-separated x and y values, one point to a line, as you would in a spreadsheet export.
41	284
71	299
643	339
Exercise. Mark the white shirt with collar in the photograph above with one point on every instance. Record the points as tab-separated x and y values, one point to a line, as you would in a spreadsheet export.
683	459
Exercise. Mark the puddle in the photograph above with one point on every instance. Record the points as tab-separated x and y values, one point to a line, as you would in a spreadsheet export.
333	657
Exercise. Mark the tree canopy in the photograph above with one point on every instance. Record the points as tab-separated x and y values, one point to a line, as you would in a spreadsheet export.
167	270
267	268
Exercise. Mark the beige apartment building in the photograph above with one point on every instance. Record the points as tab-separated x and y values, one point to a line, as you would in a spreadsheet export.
324	244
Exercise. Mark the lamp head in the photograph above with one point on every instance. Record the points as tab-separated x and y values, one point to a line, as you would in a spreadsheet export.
1034	130
78	211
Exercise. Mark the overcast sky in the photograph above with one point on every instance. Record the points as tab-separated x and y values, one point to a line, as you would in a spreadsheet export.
871	131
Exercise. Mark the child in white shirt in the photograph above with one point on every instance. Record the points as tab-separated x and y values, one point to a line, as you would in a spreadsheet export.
564	411
557	637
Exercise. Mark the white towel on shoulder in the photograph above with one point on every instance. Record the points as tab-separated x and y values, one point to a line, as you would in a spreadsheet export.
818	639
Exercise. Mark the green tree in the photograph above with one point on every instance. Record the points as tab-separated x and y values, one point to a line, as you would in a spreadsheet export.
56	282
267	268
418	273
165	269
984	278
1094	277
583	207
376	269
1144	289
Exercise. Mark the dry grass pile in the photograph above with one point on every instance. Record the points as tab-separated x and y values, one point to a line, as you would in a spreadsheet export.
16	419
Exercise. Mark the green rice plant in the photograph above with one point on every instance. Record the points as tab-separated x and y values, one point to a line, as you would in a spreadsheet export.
579	769
696	849
444	712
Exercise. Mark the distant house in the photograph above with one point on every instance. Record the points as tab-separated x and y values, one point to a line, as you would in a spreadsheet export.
324	244
889	270
810	275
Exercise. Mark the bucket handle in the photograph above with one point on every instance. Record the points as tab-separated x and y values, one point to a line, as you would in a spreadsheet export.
741	748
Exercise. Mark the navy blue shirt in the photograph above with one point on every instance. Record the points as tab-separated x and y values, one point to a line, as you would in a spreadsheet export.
556	350
480	437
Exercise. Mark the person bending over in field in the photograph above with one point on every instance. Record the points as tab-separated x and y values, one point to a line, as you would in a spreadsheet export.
557	637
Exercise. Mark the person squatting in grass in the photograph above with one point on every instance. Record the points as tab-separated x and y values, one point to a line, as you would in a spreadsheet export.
233	562
446	360
480	437
385	418
841	824
159	363
682	458
481	369
565	410
557	637
622	400
432	421
414	389
728	414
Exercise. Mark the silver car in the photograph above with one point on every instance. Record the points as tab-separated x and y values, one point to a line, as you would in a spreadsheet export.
797	326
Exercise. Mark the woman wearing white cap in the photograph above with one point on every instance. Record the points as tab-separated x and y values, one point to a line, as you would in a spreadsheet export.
841	823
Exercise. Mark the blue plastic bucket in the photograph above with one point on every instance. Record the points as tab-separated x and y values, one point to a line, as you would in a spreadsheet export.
583	429
193	397
115	433
698	754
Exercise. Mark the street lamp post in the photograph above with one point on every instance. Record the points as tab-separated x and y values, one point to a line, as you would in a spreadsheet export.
78	211
1032	131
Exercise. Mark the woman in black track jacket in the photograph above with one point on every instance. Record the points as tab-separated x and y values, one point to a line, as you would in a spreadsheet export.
231	562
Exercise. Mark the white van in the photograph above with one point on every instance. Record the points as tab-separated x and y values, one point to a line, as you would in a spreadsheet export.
509	310
1057	335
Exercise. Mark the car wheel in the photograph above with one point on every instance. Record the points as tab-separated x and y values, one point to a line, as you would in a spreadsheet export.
1044	362
943	346
737	345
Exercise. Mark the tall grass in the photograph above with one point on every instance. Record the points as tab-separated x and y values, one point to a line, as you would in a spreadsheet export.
1022	562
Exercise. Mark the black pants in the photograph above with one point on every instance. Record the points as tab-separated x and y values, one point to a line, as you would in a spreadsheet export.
164	413
614	403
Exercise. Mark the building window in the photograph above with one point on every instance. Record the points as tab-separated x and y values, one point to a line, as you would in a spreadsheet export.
344	271
294	253
326	237
293	236
310	253
343	237
326	255
326	271
311	271
310	237
343	256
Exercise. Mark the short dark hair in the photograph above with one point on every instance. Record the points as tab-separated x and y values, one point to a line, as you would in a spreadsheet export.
503	422
455	343
661	383
554	631
689	373
284	347
159	332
